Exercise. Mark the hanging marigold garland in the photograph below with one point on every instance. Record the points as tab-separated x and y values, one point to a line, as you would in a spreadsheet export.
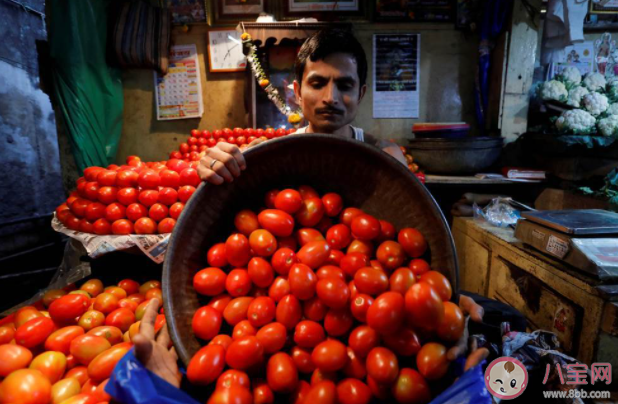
294	117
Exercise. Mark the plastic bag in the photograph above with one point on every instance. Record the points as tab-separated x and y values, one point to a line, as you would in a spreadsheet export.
498	212
468	389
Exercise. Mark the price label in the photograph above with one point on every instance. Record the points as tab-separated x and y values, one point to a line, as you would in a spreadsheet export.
557	247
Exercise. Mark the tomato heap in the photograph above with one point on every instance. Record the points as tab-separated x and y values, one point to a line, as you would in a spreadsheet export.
138	198
63	349
200	141
321	303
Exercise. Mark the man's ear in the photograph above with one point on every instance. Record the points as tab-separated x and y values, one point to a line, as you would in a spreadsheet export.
362	92
297	91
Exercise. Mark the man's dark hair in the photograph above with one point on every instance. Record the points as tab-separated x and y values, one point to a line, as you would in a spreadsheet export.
326	42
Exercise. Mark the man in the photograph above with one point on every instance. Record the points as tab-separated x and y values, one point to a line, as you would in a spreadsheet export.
331	73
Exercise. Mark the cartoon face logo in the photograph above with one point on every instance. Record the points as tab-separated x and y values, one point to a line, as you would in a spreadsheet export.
506	378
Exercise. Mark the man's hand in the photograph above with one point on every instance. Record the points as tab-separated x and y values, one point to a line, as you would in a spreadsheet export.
475	312
223	163
155	355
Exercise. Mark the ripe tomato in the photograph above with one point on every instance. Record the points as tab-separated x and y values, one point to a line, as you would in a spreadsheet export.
101	367
332	204
452	326
431	361
419	266
365	227
307	192
412	241
166	225
308	334
127	196
360	246
439	283
424	306
221	339
127	178
401	280
80	373
338	236
121	318
411	387
261	311
276	221
244	353
185	192
279	289
12	358
122	226
307	235
107	195
149	179
112	334
387	313
94	211
246	222
206	365
314	309
105	303
209	281
330	356
34	332
85	348
25	386
314	254
311	212
238	283
206	322
391	255
353	391
288	312
262	394
360	305
93	287
7	332
330	271
352	262
135	211
355	368
382	365
231	378
168	196
189	176
236	310
404	342
78	207
116	291
243	329
235	394
302	281
158	212
263	243
337	322
289	201
64	389
91	173
169	178
51	364
261	272
60	340
272	337
269	199
129	285
176	210
370	281
348	214
282	260
216	256
362	340
237	250
107	178
333	292
281	373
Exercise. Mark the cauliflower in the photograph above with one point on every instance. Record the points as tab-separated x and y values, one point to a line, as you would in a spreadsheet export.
609	126
594	81
571	74
595	103
612	109
576	94
554	90
575	120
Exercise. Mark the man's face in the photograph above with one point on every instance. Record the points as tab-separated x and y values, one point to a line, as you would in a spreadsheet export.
330	92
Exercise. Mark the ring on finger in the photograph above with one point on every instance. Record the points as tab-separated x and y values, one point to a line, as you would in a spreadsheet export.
212	163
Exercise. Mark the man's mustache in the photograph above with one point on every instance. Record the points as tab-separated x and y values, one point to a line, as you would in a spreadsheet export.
328	111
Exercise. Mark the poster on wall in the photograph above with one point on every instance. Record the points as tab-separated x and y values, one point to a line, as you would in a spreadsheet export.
295	6
603	6
187	11
580	55
178	94
396	75
415	10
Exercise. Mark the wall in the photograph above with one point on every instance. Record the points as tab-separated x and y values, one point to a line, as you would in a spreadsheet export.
447	81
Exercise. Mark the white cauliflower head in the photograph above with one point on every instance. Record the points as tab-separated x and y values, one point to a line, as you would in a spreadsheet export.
612	109
576	94
595	103
554	90
571	74
594	81
575	120
608	126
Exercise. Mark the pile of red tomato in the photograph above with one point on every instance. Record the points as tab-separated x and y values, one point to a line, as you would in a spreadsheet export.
201	140
136	198
323	304
63	349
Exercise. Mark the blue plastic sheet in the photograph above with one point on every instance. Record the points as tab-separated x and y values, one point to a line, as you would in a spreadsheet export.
468	389
132	383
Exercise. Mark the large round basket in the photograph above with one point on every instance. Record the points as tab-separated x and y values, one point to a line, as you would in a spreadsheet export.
366	177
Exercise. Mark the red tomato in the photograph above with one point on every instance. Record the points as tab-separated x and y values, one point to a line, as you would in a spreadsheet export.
302	281
85	348
282	260
308	334
261	272
238	282
272	337
311	212
363	339
352	262
279	289
262	394
25	386
68	308
404	342
332	204
289	201
112	334
93	287
129	285
206	323
319	375
314	254
7	332
263	243
382	365
122	226
370	281
281	373
314	309
387	231
330	271
278	222
80	373
360	246
148	197
107	195
439	283
261	311
127	178
91	173
333	292
330	356
176	210
365	227
353	391
121	318
168	196
302	359
243	329
206	365
135	211
360	305
246	222
236	395
166	225
338	236
412	241
269	199
387	313
288	312
158	212
85	226
12	358
216	256
391	255
101	367
189	176
224	340
231	378
323	392
237	250
337	322
411	387
244	353
149	179
401	280
105	303
307	235
95	211
51	364
185	192
119	292
78	207
236	310
169	178
107	178
355	368
64	389
452	326
307	192
209	281
424	306
348	214
127	196
431	361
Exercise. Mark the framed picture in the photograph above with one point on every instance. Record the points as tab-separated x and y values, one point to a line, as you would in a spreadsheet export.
415	10
232	11
187	11
301	6
225	51
604	6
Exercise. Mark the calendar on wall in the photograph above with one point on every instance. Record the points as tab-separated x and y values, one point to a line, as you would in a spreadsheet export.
178	94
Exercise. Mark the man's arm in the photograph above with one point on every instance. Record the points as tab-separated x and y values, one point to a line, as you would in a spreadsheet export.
392	149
